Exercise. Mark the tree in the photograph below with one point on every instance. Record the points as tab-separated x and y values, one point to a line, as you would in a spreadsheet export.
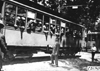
87	13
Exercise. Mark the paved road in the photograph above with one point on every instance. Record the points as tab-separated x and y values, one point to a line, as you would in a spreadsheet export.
41	63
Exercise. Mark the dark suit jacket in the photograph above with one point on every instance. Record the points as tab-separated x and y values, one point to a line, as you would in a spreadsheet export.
3	44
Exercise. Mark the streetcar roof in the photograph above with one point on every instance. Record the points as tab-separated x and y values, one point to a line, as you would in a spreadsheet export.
31	7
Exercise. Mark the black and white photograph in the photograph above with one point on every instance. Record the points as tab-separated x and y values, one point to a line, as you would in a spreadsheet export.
49	35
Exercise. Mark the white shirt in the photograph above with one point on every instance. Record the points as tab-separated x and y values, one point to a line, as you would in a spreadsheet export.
93	48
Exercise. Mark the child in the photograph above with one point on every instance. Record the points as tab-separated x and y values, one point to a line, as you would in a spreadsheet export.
94	49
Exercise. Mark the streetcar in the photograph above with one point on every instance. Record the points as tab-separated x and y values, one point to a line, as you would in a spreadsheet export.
30	28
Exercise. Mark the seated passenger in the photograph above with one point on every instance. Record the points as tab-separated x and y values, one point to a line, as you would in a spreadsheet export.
39	26
20	22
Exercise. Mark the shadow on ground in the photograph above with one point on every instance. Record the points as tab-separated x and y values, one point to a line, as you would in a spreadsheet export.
34	59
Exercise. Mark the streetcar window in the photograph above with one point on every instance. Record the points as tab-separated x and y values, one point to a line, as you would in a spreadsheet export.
63	26
31	25
34	21
46	23
10	13
39	22
31	21
39	16
21	18
46	26
52	25
57	29
52	29
34	25
38	26
57	26
46	18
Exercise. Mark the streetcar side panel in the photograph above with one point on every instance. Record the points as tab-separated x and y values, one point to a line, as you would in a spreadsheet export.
13	37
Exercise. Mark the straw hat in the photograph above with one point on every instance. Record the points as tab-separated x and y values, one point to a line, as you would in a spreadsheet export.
1	24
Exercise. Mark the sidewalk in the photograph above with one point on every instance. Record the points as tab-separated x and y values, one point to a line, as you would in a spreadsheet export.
87	56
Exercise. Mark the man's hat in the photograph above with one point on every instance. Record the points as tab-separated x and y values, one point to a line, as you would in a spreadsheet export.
1	24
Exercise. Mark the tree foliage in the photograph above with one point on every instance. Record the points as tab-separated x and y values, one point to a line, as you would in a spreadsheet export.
87	13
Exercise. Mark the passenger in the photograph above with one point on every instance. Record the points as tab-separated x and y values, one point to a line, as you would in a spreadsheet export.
2	44
94	49
55	51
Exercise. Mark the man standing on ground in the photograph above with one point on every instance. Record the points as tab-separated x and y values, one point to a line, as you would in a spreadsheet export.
2	44
55	51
